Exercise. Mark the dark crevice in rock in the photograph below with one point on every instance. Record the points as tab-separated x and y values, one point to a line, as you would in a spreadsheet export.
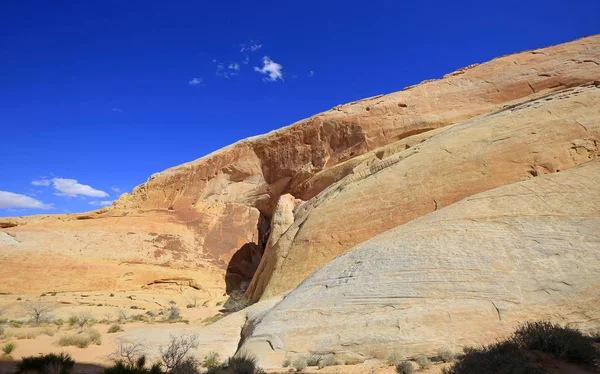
245	261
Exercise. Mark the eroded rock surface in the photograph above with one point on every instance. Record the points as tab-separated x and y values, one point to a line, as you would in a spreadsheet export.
206	223
462	275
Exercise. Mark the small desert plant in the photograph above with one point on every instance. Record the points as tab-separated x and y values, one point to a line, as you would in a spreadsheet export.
179	349
287	362
8	348
1	330
243	363
313	360
137	367
499	358
127	352
114	328
405	368
424	362
300	364
563	342
394	358
213	319
81	340
50	363
38	311
328	361
446	355
212	360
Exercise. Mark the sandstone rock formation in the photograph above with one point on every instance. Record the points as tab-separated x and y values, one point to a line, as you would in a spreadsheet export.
206	223
545	134
462	275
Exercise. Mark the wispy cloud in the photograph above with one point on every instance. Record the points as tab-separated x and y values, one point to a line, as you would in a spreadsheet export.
10	200
273	70
101	203
311	74
226	71
115	189
117	110
195	81
246	60
250	47
41	182
71	188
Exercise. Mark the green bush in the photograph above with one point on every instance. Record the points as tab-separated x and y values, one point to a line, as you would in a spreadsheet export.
562	342
114	328
499	358
8	348
405	368
50	363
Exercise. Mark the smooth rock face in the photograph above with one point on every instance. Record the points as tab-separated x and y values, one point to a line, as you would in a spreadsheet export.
546	134
205	223
463	275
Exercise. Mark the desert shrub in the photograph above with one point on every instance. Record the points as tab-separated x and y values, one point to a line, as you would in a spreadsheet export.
213	319
563	342
172	313
498	358
49	363
424	362
242	363
394	358
15	324
446	355
39	311
128	352
188	366
313	360
81	340
95	336
137	367
8	348
405	368
178	351
114	328
327	361
287	362
212	360
73	320
1	330
58	322
300	364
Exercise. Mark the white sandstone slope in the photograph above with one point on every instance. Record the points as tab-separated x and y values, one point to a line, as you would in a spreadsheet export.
462	275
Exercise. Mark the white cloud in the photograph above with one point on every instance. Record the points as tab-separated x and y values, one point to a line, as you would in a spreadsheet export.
115	189
10	200
311	74
70	187
270	68
246	60
195	81
101	203
250	47
41	182
227	72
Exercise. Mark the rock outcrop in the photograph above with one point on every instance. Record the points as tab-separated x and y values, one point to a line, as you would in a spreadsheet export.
462	275
546	134
208	222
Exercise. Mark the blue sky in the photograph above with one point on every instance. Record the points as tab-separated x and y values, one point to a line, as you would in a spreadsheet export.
95	96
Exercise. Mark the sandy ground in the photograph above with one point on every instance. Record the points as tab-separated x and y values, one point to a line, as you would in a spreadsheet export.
106	309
